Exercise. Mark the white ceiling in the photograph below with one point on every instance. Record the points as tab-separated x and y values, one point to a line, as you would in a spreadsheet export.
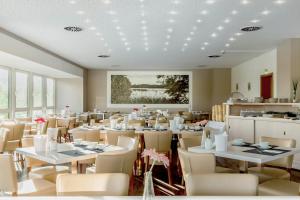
42	23
12	61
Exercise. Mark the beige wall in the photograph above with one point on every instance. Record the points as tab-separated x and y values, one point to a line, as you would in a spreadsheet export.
250	72
210	86
69	91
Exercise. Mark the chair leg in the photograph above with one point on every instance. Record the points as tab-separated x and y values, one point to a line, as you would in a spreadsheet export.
131	185
169	169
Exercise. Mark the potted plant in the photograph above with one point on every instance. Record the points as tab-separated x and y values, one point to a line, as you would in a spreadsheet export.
295	87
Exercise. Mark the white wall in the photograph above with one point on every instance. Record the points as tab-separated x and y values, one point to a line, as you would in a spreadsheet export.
250	71
69	91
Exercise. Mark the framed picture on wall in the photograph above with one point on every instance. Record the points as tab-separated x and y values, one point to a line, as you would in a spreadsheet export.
163	89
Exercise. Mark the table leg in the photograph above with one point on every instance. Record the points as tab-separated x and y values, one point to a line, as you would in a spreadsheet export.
243	166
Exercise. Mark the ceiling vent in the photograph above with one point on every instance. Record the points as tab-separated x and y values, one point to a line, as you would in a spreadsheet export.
251	28
214	56
73	28
104	56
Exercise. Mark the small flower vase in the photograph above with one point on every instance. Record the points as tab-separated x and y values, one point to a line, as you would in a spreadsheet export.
148	187
39	128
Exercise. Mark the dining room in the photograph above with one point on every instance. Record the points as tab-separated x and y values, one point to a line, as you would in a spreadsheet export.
149	99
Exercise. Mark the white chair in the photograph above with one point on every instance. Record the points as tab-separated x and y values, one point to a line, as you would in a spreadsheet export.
49	172
31	187
221	185
128	142
106	184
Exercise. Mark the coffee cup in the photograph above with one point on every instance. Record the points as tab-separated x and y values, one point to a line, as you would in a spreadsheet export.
238	141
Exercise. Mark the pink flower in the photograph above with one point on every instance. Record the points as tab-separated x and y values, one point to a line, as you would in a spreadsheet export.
158	157
40	120
202	123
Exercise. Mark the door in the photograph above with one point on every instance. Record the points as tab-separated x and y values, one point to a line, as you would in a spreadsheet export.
266	86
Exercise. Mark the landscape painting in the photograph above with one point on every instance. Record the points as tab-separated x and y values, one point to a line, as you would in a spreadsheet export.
149	88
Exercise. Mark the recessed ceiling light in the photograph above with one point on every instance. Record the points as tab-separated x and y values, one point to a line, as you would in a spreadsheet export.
121	33
145	33
146	49
214	56
80	12
227	45
146	43
98	34
279	2
73	28
87	21
166	43
173	12
106	1
102	39
106	45
220	28
104	56
143	14
227	21
171	21
170	30
214	35
210	1
234	12
92	28
176	2
143	22
254	21
199	20
188	39
238	34
265	12
206	43
165	49
141	0
185	44
245	2
195	28
112	12
72	2
118	27
251	28
123	39
183	49
232	39
204	12
192	33
126	43
128	49
168	36
202	48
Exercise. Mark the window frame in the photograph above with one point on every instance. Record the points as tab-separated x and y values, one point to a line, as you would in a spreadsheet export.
8	109
28	108
54	94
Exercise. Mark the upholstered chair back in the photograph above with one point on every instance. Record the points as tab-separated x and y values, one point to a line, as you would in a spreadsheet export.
196	163
158	140
8	175
221	184
111	137
121	162
91	135
191	141
92	184
128	143
136	123
285	162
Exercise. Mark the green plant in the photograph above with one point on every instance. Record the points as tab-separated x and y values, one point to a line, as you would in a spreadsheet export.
295	85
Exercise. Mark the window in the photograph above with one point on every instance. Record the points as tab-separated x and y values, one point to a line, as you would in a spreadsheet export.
50	92
4	89
3	116
37	91
21	114
21	90
50	111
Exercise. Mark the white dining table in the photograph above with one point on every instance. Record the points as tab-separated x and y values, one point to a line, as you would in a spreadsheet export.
238	153
60	158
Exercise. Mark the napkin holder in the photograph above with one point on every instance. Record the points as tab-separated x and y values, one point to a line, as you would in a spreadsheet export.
221	141
40	143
